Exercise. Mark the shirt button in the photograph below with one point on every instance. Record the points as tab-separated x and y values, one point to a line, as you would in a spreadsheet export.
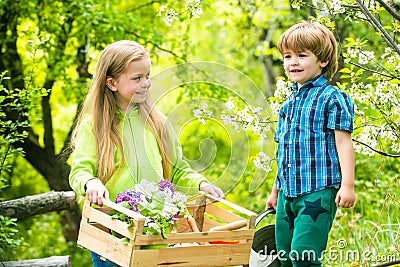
290	142
289	165
297	98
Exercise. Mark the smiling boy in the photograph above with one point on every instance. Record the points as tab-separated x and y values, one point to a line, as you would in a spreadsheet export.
315	155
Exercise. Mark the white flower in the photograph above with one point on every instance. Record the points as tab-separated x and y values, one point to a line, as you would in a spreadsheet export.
151	225
179	199
161	10
192	4
337	7
352	53
390	60
275	106
236	125
146	187
388	50
283	89
170	16
262	161
197	113
197	12
365	56
227	120
202	112
257	110
169	211
396	147
367	137
296	6
230	105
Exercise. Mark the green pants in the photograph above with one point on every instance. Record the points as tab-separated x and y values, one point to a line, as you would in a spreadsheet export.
302	227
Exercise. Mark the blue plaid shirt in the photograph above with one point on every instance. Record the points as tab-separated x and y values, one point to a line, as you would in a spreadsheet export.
307	158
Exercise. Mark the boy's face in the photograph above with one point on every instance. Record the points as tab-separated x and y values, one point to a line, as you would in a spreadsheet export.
301	67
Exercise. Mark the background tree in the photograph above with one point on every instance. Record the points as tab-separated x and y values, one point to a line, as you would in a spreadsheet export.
46	49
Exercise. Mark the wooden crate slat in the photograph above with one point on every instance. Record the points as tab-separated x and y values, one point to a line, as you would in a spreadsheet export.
208	223
225	215
105	245
252	221
183	226
209	255
148	258
113	224
232	205
246	234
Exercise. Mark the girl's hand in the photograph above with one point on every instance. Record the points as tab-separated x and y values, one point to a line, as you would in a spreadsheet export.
211	189
345	197
95	191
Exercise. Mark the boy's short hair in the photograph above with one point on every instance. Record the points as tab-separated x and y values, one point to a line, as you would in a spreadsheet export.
314	37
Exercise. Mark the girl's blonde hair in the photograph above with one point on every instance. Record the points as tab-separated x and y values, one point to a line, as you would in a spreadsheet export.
100	104
314	37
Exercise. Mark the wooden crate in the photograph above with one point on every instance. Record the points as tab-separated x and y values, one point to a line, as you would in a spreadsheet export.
94	234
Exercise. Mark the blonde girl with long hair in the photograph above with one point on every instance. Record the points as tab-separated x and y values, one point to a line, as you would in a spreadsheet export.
121	138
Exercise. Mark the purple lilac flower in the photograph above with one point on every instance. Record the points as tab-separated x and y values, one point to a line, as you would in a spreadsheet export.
130	196
164	184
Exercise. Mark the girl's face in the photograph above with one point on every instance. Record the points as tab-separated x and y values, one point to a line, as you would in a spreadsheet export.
301	67
130	88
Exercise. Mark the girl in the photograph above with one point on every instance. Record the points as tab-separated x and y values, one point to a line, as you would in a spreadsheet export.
121	138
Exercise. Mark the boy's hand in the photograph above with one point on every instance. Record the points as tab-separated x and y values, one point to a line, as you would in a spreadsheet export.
345	197
272	199
95	191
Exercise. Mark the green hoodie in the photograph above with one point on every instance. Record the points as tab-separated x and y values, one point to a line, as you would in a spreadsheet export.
142	159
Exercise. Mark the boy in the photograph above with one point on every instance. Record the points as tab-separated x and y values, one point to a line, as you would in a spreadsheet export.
315	154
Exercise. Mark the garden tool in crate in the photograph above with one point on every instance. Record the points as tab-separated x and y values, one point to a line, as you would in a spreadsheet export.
263	251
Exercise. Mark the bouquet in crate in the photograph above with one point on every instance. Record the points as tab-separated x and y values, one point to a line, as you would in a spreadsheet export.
159	203
154	209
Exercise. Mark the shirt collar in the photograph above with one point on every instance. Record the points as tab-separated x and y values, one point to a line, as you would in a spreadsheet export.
317	81
134	112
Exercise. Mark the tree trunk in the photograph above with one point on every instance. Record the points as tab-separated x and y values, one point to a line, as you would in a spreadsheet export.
38	204
43	158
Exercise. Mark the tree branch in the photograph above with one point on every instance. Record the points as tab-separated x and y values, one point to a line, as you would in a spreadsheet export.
390	10
142	5
377	151
373	71
157	46
378	27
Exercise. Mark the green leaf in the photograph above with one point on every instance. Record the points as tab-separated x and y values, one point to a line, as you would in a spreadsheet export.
125	240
